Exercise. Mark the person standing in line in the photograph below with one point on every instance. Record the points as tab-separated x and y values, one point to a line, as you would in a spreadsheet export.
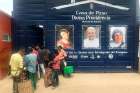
47	57
41	59
36	50
56	68
63	55
30	64
16	67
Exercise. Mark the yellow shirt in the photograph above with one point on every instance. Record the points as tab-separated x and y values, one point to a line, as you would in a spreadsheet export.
16	63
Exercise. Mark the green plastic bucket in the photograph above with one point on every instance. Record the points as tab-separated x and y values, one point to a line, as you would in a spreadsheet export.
68	70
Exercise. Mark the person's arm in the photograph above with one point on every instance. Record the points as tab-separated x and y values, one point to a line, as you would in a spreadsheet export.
25	62
11	59
21	63
65	54
55	59
10	63
58	57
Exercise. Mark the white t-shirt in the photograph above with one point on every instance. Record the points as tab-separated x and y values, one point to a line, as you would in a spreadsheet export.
91	43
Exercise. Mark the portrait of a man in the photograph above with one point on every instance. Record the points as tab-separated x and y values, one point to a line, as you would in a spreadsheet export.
91	36
64	36
117	37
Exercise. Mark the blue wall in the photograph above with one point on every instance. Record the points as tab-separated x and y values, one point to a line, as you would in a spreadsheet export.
35	12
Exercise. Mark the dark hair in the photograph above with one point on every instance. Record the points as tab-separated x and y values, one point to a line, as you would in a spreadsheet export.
37	47
30	49
53	53
59	47
21	49
56	52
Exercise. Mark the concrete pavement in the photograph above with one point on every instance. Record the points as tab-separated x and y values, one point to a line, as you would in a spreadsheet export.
87	83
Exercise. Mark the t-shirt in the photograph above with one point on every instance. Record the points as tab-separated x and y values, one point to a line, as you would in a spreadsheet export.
30	62
16	63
